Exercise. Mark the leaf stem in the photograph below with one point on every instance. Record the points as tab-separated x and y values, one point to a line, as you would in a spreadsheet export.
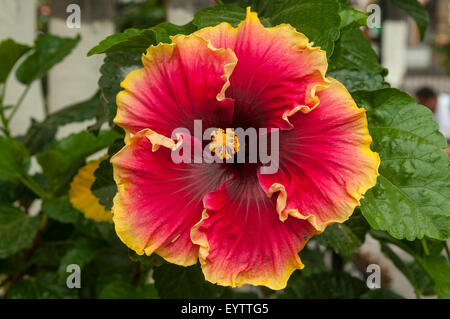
5	127
425	246
29	182
19	102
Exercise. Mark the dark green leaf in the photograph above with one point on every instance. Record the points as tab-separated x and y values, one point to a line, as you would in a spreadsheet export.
60	209
80	254
41	134
115	68
45	286
49	254
48	51
416	11
13	264
215	15
438	269
325	285
125	290
411	198
140	40
318	19
166	29
14	159
355	80
128	39
352	17
345	239
401	265
173	281
17	230
313	259
355	63
104	187
10	52
60	162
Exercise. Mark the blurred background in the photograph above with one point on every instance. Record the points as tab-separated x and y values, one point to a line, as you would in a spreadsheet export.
422	68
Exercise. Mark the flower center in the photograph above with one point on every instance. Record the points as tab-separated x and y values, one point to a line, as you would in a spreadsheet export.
224	143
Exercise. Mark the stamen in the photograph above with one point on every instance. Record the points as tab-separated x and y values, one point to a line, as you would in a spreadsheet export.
224	143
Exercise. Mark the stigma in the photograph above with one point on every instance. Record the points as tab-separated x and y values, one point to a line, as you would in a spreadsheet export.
224	143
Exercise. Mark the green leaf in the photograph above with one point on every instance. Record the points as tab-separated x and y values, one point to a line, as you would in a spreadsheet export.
438	269
10	53
49	254
48	51
125	290
177	282
215	15
41	134
129	39
313	261
411	198
355	80
140	40
45	286
164	30
409	272
333	285
104	187
355	64
345	239
380	293
352	17
318	19
60	209
60	162
115	68
14	159
416	11
82	253
17	230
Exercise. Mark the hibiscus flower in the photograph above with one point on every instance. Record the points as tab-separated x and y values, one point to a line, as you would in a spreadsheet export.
243	226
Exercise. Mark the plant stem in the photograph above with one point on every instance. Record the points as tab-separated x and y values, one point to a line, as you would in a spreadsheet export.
34	186
19	102
5	126
425	246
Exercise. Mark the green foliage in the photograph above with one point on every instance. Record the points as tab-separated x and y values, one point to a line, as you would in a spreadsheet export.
345	239
48	50
10	53
41	134
104	187
17	230
178	282
61	161
416	11
60	209
355	63
331	284
125	290
411	198
140	40
14	160
43	287
318	19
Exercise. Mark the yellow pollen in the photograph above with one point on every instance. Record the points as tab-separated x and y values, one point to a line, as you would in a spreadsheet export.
224	143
